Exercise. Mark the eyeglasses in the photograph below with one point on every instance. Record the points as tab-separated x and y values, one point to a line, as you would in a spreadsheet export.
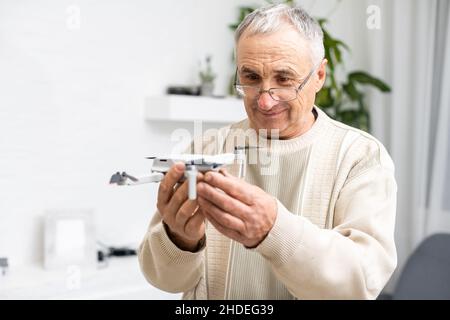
277	94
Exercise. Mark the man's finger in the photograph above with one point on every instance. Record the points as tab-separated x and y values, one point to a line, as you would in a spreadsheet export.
186	211
166	187
175	188
223	201
224	218
231	185
234	235
195	222
200	176
225	172
179	184
178	198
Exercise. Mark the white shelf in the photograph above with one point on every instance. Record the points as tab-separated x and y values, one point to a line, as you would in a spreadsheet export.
190	108
121	279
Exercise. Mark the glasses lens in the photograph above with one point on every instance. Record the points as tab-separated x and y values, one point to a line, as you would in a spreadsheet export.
278	94
240	90
247	91
283	94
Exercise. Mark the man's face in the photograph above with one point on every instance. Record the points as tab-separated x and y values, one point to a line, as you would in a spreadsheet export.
275	60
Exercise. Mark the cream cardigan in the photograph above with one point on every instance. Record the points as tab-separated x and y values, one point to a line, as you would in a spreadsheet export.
333	237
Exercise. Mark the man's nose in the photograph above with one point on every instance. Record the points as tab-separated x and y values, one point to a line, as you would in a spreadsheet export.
265	101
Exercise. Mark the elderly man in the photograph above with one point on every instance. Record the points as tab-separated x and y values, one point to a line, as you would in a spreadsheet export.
318	225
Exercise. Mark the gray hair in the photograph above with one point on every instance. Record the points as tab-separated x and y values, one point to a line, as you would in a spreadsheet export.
270	18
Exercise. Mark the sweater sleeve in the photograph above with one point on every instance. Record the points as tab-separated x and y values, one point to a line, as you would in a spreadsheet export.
355	259
166	266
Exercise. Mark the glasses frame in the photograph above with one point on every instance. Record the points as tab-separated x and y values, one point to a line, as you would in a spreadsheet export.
261	91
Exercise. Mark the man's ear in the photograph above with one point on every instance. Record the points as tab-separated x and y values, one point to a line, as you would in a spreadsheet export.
321	75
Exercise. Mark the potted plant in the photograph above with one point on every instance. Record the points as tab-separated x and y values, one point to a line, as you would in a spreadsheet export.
207	77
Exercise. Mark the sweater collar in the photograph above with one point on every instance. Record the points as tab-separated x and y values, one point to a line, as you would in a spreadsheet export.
302	141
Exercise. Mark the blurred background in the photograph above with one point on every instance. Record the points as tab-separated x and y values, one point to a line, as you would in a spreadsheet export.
84	93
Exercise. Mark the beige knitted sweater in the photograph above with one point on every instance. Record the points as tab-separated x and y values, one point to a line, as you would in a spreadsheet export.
333	237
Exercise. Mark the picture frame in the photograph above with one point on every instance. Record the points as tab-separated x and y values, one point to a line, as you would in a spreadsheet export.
69	239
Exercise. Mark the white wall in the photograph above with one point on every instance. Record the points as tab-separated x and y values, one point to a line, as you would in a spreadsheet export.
71	102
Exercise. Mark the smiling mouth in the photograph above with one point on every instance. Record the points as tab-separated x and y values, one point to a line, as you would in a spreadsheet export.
272	114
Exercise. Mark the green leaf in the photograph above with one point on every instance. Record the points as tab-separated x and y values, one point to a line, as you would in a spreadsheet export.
358	118
324	98
233	27
351	91
244	11
328	44
349	117
363	119
365	78
342	44
337	54
322	21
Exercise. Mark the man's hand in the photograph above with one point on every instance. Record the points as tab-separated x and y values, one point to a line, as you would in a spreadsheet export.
184	221
239	210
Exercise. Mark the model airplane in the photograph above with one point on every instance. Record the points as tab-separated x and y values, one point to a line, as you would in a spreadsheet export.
194	163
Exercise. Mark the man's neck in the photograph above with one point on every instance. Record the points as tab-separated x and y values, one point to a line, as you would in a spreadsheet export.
307	124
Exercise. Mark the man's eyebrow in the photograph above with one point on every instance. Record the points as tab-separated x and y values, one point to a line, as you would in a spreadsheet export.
245	69
286	72
281	71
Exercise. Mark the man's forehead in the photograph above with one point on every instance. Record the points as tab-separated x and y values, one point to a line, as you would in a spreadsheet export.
286	36
271	50
269	54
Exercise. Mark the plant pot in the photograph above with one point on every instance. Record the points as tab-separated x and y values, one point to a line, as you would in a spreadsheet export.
207	89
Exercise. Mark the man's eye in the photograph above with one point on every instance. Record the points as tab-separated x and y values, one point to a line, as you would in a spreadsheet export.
284	79
252	77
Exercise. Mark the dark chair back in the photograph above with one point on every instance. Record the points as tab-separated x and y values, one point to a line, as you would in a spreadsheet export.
426	274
